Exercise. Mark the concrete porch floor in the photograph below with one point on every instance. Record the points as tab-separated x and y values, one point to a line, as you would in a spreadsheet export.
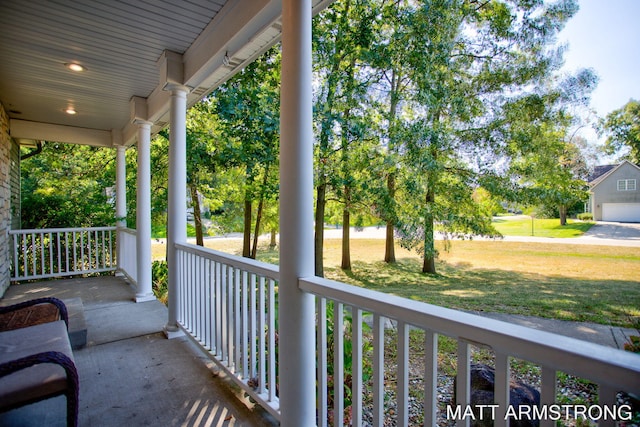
130	374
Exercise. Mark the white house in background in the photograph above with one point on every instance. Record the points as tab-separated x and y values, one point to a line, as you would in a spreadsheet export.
615	193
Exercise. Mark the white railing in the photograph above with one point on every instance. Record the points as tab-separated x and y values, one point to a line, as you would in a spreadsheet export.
127	250
613	370
228	306
61	252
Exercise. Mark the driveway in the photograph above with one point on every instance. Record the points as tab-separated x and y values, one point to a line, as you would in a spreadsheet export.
614	230
602	233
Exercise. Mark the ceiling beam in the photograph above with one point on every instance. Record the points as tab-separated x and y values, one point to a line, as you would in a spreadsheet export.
24	129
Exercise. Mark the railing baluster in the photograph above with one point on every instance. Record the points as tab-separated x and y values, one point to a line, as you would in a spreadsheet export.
33	248
81	251
402	390
59	253
463	378
547	393
607	398
430	378
245	325
224	339
228	314
501	393
321	333
271	333
97	248
26	256
253	326
43	269
199	279
338	363
238	312
262	366
111	262
219	324
50	248
212	307
356	366
96	252
378	370
66	250
16	265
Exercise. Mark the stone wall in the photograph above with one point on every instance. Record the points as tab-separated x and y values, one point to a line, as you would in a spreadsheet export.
6	145
16	205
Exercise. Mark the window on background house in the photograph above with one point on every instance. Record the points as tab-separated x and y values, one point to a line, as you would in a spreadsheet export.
626	185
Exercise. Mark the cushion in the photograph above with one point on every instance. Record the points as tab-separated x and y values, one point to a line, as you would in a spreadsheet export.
38	381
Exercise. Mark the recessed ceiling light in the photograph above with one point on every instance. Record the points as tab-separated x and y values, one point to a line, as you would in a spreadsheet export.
74	66
71	111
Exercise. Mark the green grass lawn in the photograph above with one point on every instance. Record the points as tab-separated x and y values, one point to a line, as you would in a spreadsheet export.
540	227
585	283
570	282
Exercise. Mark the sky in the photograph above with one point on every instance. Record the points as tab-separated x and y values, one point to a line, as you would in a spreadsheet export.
605	35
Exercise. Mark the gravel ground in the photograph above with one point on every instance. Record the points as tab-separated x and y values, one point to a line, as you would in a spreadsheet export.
571	390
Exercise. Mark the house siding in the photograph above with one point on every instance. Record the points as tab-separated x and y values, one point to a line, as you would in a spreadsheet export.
607	191
7	150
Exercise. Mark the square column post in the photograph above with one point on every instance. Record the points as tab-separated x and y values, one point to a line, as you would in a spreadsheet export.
177	210
143	214
297	322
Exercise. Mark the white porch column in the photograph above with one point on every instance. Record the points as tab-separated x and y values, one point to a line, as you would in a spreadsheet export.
143	213
121	186
297	327
177	210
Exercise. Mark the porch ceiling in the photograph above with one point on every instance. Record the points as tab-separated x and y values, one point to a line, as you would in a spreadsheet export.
119	43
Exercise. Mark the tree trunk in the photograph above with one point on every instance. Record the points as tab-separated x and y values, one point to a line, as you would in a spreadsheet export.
429	258
246	235
197	217
389	247
256	232
563	214
346	224
319	235
273	243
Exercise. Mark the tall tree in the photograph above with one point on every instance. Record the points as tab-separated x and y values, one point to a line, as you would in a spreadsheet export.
622	128
248	107
341	34
388	57
468	60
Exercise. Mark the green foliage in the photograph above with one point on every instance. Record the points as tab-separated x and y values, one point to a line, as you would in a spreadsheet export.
65	186
247	109
367	367
489	205
585	216
160	280
622	128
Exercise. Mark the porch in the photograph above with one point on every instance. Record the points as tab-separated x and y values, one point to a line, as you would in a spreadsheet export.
130	374
229	310
265	327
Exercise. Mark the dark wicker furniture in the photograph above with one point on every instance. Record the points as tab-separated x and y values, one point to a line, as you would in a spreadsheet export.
36	361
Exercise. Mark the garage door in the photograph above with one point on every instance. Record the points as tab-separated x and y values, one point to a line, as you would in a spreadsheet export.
621	212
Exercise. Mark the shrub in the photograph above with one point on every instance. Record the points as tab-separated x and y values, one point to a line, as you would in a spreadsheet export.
160	279
586	216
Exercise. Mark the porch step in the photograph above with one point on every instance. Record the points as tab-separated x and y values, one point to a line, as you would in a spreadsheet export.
77	322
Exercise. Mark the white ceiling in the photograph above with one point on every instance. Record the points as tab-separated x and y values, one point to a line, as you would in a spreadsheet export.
119	42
